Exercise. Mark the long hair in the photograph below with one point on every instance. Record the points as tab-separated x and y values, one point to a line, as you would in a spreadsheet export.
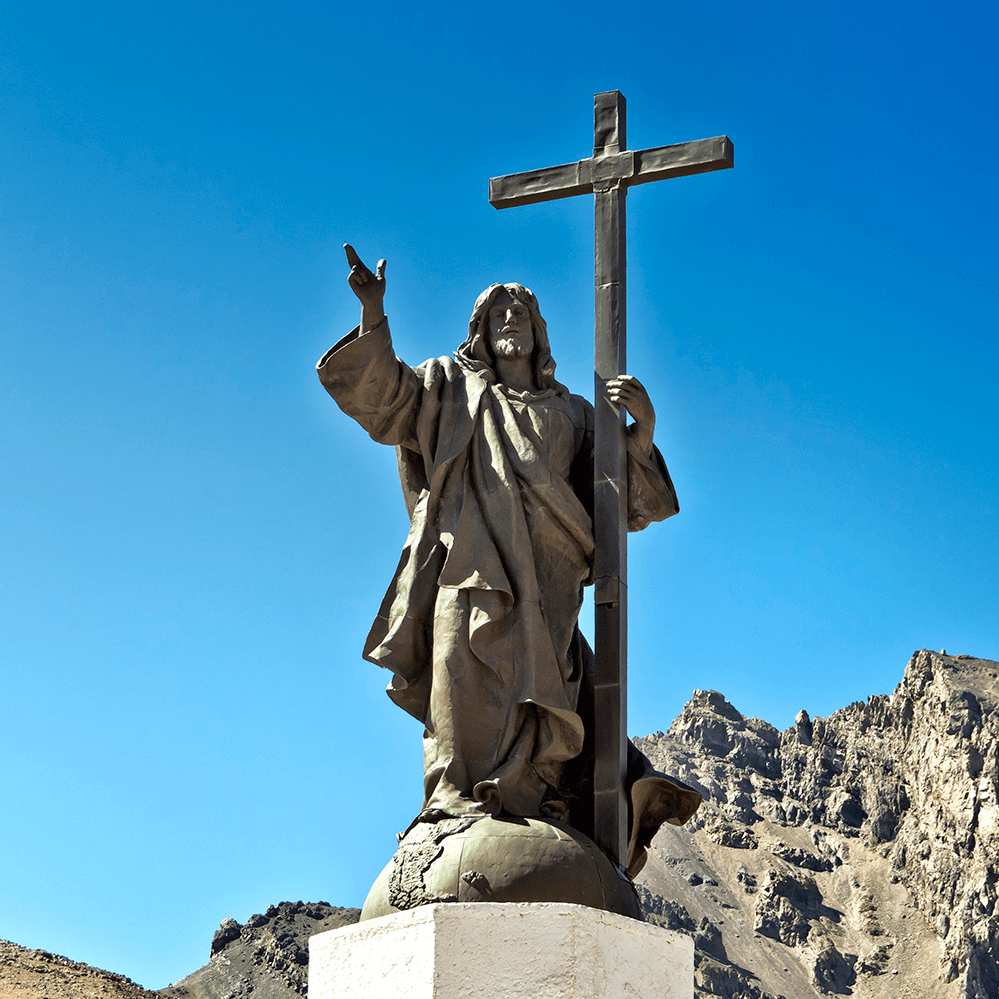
476	354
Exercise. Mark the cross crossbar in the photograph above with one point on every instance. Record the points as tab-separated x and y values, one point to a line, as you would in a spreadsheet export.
607	175
631	167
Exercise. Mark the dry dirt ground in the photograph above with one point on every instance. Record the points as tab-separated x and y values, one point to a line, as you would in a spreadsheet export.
37	974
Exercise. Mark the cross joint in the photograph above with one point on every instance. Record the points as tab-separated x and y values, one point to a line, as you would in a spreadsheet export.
610	166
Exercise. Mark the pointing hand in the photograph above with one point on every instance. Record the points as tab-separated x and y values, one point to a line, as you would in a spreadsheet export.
368	287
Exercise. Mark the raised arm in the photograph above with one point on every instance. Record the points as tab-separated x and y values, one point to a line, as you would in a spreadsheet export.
361	372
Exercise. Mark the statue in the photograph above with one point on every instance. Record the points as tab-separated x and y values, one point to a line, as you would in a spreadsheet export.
479	625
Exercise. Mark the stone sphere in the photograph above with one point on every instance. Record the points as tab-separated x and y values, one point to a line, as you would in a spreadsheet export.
504	859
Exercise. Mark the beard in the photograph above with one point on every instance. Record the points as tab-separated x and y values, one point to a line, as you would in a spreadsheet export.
515	345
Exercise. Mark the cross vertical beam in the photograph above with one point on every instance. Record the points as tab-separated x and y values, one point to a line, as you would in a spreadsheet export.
610	489
607	175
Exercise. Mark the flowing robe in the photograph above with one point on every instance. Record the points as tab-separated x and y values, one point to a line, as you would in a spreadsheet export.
479	625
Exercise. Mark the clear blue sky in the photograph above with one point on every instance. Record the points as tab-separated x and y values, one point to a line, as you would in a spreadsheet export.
194	539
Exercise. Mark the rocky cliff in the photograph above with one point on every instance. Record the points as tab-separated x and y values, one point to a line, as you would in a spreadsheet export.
855	854
266	957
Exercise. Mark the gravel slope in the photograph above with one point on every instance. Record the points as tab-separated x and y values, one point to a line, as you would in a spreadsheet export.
37	974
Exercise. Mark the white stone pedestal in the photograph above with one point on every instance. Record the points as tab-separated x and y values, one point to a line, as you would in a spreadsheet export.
497	950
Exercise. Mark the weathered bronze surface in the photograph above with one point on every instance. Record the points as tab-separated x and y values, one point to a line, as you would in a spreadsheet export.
479	626
509	859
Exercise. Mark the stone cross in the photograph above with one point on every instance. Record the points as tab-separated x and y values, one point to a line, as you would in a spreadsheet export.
607	175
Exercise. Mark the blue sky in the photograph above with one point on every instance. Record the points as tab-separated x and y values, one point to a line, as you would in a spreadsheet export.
195	539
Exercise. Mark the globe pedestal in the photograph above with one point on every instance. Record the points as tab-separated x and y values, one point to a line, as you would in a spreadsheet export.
541	950
509	859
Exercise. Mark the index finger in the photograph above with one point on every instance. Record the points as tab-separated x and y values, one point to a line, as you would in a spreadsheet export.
352	258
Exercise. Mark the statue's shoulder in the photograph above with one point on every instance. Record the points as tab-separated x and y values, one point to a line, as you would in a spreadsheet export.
444	379
437	369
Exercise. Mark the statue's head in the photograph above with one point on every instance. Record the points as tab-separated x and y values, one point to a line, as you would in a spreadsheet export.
511	329
505	319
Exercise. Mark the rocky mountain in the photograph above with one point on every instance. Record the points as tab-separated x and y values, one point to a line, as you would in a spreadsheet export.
267	957
851	855
855	854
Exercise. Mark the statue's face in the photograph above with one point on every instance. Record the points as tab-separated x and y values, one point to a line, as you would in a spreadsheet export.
510	331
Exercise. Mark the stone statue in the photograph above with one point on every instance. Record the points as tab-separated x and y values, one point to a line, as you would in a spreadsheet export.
479	625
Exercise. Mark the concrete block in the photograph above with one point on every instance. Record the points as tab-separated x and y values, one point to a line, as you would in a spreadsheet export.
494	950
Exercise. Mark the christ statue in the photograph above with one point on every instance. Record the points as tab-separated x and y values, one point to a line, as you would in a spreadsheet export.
479	627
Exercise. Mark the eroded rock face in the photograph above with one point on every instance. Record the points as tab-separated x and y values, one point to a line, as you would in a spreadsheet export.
267	957
850	854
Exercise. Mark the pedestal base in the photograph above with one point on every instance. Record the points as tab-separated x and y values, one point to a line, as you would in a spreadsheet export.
482	950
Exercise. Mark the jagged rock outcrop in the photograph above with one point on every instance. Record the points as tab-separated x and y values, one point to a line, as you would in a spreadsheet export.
855	854
266	958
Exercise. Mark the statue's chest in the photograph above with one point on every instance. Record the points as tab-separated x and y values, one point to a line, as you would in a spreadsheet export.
543	432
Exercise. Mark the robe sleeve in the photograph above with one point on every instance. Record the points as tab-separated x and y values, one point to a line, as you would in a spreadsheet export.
372	386
651	496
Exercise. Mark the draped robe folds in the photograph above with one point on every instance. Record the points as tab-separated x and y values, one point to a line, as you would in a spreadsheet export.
479	625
